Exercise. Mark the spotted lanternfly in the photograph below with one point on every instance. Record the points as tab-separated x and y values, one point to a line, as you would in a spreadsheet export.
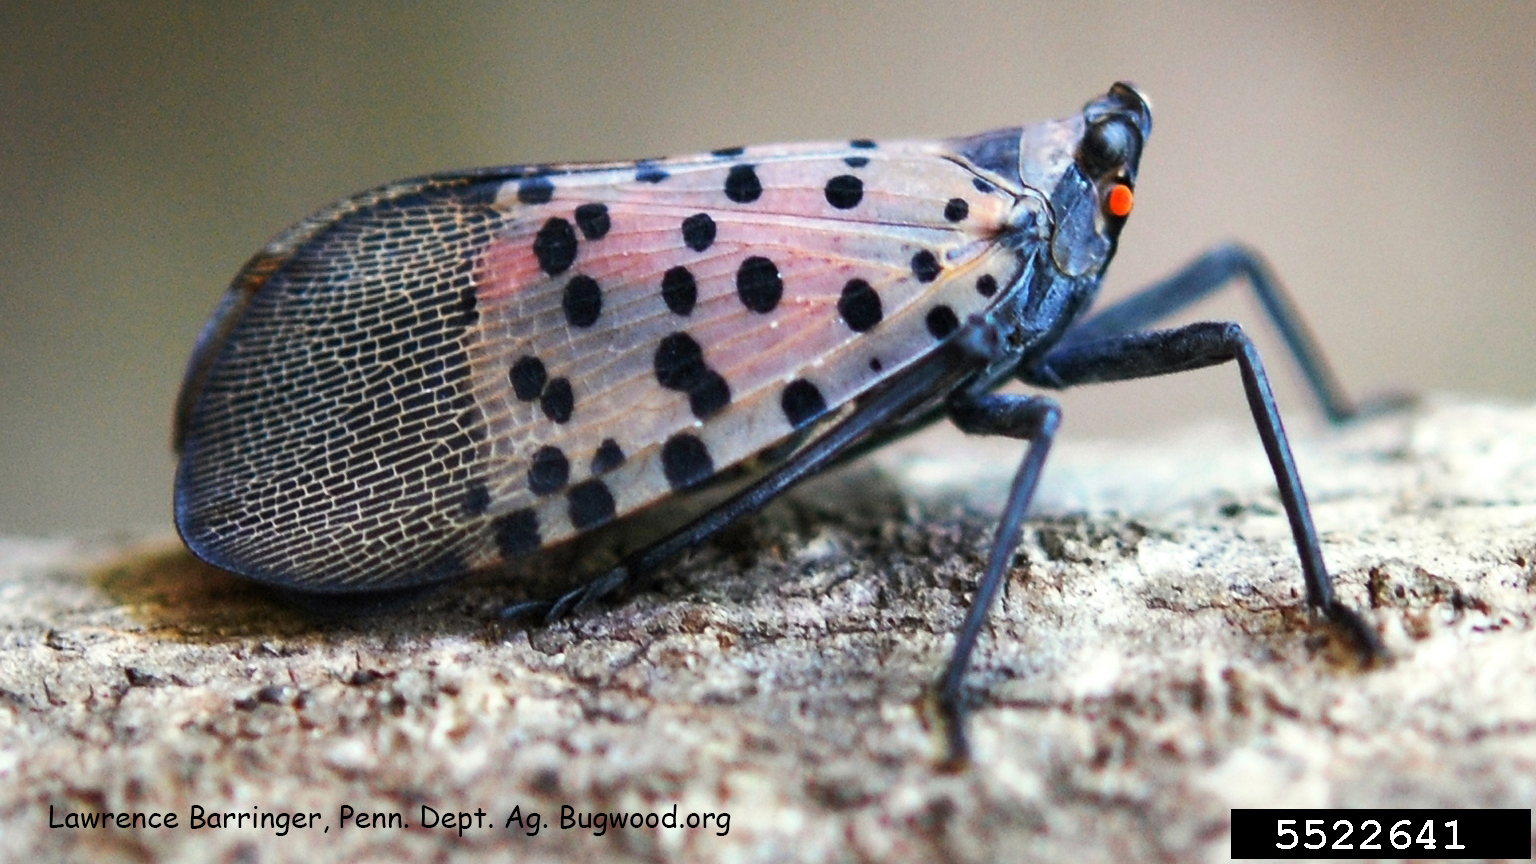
446	373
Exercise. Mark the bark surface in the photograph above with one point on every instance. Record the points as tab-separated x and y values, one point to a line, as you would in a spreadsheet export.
1149	667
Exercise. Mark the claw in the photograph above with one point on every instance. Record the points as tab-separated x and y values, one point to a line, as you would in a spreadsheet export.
571	602
958	748
1361	636
597	589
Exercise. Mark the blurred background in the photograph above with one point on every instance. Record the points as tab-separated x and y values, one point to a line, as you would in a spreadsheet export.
1383	155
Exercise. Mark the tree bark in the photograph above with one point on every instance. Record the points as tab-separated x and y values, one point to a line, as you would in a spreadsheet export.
1150	666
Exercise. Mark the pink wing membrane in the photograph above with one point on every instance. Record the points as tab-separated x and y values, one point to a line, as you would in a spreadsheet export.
899	206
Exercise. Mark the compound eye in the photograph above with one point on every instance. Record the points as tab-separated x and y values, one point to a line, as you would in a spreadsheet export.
1107	145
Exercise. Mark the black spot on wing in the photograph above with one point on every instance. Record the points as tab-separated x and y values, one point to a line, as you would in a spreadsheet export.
583	301
591	504
859	306
558	400
548	471
925	266
802	402
710	396
698	231
528	377
593	220
758	284
685	461
608	457
555	246
678	362
679	290
844	191
941	321
742	185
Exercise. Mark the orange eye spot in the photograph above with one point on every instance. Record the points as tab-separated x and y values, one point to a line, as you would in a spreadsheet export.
1121	200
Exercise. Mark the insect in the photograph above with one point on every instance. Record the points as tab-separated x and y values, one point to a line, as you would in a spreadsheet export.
447	373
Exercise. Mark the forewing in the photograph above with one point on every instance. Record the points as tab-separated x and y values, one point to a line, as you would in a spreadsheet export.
471	369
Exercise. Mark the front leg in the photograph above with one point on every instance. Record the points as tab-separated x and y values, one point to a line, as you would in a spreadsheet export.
1027	418
1161	352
